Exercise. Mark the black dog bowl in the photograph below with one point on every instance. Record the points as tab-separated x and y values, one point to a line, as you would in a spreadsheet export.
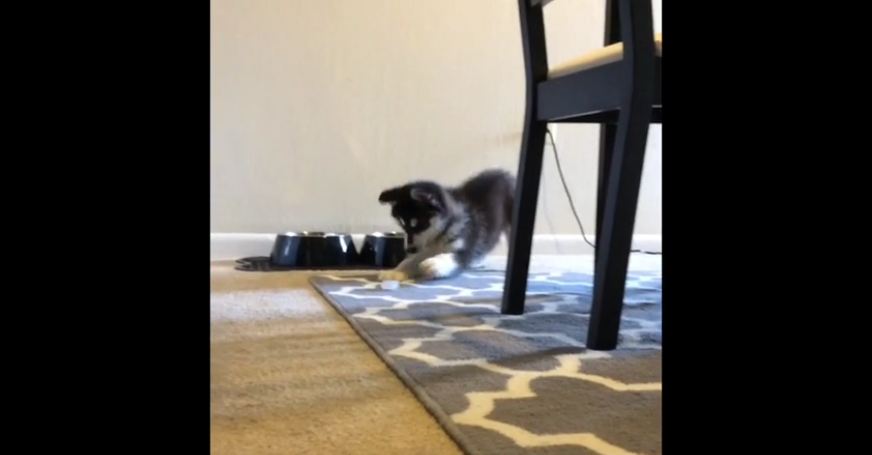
339	250
313	249
286	249
383	249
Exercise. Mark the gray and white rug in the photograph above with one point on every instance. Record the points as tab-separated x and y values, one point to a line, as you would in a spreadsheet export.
517	384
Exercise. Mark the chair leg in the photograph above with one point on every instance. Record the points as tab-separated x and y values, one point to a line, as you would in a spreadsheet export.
606	146
524	216
615	238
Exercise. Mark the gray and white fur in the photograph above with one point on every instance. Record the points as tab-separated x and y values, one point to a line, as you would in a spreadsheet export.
450	229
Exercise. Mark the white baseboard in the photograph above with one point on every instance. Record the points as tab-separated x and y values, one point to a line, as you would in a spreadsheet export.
234	246
575	244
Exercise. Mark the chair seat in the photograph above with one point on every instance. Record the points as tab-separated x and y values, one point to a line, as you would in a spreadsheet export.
599	57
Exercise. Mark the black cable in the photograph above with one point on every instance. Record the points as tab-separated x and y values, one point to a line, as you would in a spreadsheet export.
569	196
566	189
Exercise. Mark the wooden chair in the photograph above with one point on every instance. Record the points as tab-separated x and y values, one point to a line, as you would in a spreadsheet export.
618	87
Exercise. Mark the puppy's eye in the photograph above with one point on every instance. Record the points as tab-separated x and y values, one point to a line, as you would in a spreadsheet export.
413	222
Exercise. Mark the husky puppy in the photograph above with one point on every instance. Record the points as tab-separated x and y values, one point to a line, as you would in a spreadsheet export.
449	229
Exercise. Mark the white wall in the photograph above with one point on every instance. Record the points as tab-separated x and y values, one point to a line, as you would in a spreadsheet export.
319	105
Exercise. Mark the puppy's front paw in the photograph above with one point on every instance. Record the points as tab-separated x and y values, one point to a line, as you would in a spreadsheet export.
440	266
392	275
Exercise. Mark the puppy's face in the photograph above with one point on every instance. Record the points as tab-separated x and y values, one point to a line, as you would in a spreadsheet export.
418	208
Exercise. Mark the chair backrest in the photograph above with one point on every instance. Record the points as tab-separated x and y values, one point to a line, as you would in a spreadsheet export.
627	21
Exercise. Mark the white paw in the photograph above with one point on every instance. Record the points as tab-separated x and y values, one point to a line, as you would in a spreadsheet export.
393	275
439	266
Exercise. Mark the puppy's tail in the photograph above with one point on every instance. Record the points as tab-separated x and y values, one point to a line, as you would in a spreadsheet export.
509	202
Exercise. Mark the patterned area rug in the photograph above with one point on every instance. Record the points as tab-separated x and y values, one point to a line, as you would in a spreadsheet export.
517	384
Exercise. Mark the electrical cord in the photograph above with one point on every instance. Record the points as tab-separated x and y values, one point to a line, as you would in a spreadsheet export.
569	196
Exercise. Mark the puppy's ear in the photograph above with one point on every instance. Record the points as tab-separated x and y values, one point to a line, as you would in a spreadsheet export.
427	196
390	196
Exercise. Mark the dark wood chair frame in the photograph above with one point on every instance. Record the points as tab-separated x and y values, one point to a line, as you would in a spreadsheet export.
624	97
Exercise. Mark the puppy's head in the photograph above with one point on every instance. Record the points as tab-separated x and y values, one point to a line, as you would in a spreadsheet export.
419	208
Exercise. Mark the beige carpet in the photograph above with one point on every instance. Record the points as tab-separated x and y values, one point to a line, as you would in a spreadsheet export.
289	376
